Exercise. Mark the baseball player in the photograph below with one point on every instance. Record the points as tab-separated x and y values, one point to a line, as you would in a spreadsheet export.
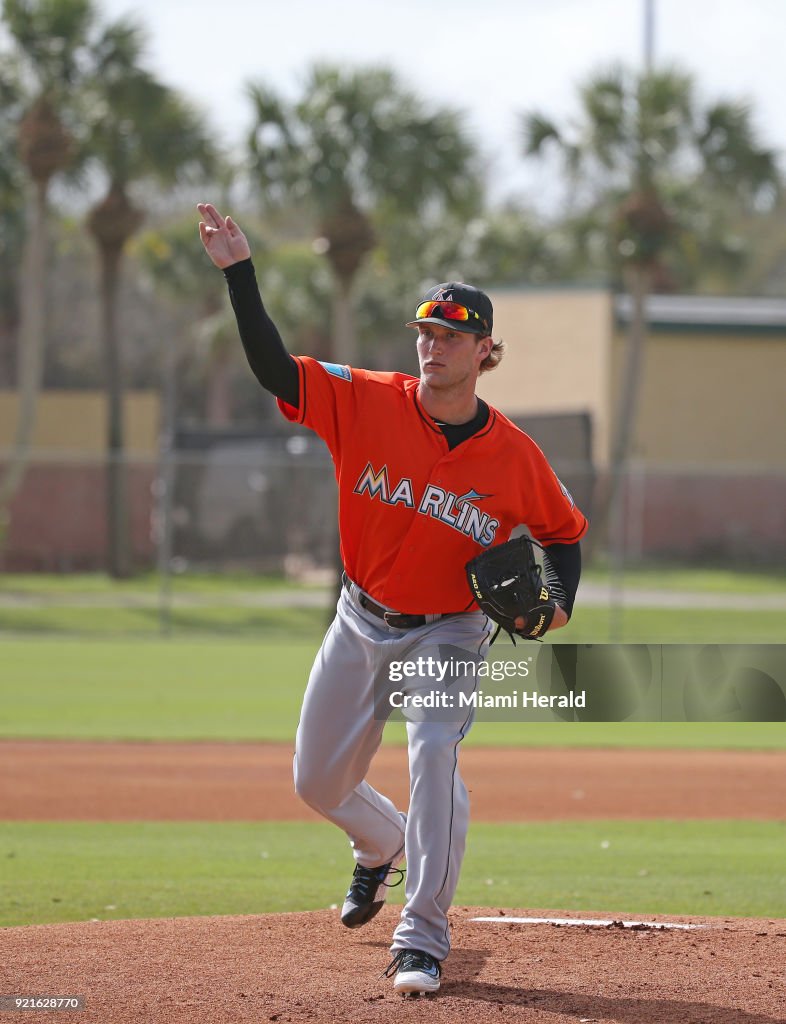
428	476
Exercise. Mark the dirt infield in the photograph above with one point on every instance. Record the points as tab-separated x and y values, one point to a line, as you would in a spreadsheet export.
230	782
307	968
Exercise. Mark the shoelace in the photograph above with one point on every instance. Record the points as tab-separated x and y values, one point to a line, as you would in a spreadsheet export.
399	880
364	878
411	960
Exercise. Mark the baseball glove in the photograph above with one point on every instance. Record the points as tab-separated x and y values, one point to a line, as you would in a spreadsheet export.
507	583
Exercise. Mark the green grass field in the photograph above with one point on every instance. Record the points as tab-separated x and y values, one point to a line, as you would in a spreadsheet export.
307	625
263	608
75	871
208	689
657	576
230	671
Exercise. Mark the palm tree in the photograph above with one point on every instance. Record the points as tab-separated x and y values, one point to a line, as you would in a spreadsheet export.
50	39
175	268
358	147
140	131
11	217
641	138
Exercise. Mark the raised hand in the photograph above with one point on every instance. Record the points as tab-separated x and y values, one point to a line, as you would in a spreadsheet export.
223	240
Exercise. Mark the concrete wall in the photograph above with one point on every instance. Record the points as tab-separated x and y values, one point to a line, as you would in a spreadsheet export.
711	398
558	357
707	517
75	421
58	517
709	440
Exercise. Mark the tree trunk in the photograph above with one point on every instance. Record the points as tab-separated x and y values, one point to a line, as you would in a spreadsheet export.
118	548
218	405
32	338
9	331
607	517
350	239
344	347
111	223
630	383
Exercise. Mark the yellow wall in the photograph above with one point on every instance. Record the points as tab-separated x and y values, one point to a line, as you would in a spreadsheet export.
708	397
711	398
75	421
557	359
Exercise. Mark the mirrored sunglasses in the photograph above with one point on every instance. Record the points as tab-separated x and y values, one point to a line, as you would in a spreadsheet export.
448	311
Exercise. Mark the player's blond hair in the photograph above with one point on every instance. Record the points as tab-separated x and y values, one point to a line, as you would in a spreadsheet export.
494	357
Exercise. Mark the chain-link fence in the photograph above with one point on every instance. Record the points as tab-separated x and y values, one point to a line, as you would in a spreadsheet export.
239	521
268	505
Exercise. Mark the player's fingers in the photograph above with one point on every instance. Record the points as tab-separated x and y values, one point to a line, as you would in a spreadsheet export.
232	227
211	214
206	233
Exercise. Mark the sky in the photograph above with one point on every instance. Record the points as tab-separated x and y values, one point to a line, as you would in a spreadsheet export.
492	59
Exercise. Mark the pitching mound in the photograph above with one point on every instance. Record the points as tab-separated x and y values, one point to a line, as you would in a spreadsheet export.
307	967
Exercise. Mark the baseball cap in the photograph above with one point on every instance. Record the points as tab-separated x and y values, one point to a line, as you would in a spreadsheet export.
456	305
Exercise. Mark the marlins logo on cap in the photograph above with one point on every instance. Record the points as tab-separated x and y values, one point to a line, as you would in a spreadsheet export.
456	305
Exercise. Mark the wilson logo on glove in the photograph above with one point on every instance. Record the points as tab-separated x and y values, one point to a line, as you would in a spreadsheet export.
506	581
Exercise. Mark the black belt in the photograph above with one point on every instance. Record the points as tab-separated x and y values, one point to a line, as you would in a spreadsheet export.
396	619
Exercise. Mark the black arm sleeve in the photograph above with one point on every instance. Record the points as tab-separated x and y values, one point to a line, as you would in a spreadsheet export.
562	569
273	366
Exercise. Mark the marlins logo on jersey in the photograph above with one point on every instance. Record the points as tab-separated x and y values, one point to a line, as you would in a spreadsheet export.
454	510
407	498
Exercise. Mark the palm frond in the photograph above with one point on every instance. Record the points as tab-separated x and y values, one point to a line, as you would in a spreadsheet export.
733	158
537	131
52	36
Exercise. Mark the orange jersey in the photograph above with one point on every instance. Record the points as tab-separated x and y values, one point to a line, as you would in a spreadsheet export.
412	511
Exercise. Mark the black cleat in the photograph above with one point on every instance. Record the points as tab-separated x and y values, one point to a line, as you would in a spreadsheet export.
367	893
